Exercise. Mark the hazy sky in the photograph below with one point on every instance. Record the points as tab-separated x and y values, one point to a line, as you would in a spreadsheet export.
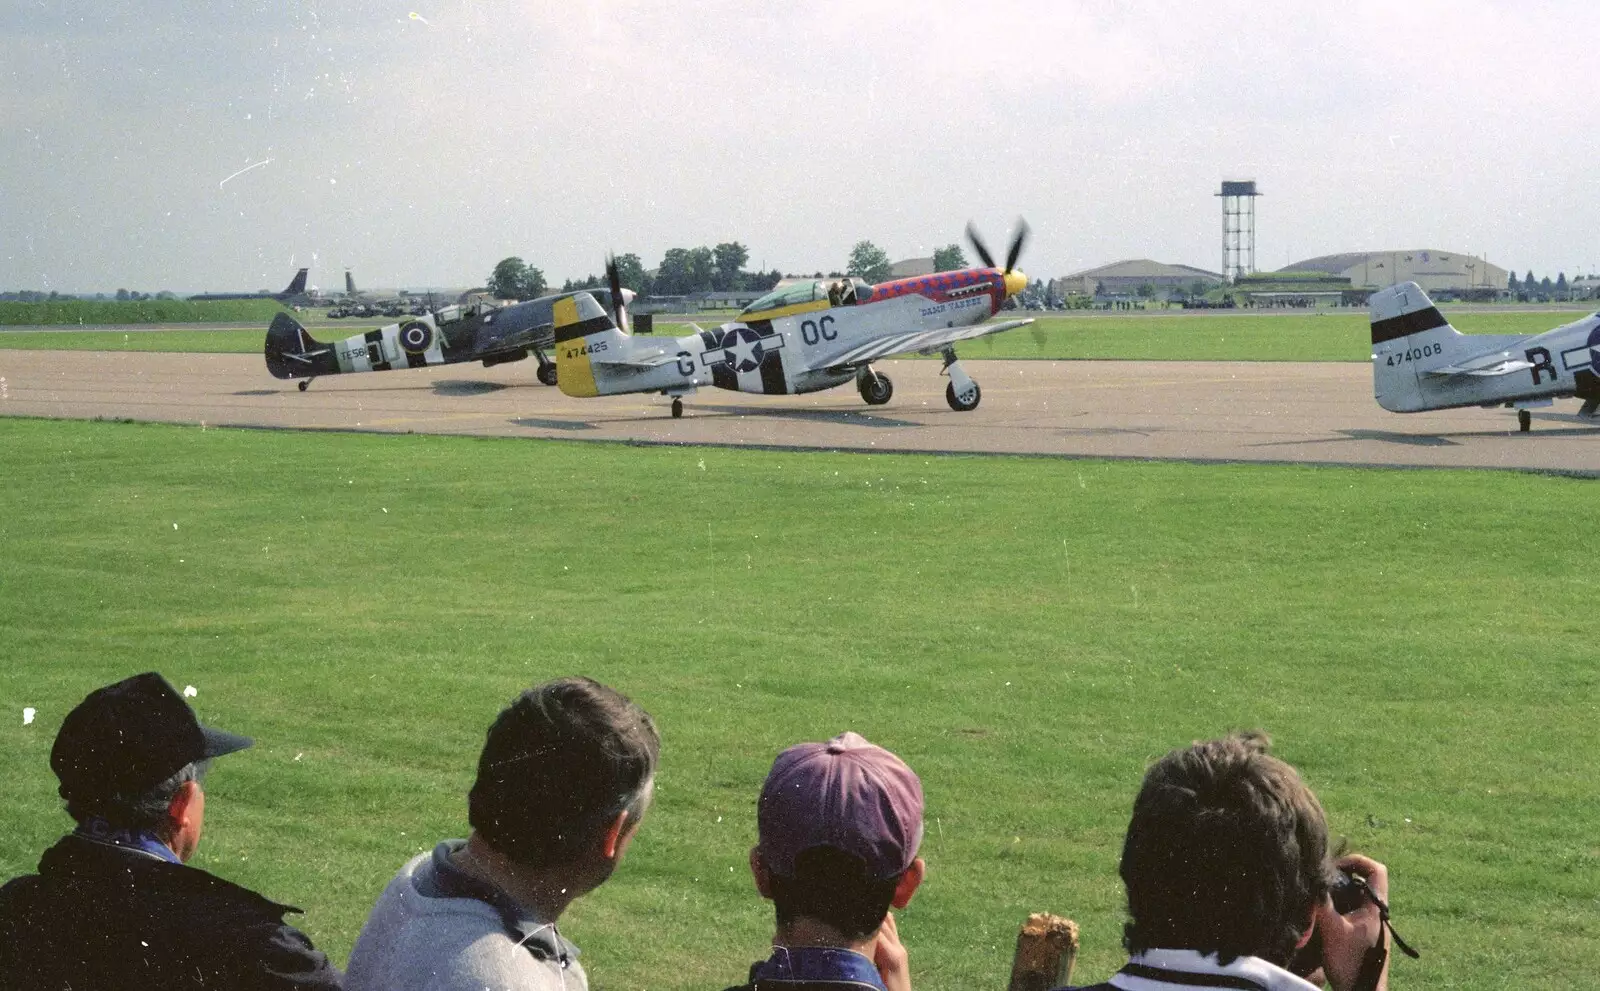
419	141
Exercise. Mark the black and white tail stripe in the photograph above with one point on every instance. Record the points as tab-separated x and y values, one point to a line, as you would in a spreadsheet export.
1406	324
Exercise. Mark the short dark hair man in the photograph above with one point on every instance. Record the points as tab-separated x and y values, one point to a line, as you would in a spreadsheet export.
839	824
113	905
565	777
1227	871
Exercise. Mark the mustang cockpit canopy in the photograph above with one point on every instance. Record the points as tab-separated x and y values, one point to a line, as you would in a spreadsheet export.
843	291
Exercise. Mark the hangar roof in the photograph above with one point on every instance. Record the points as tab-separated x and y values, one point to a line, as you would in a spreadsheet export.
1144	268
1340	263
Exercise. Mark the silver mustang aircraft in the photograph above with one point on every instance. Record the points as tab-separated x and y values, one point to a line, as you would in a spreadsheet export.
802	338
1420	362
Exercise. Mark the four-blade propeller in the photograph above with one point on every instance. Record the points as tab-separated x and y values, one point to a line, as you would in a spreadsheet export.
1015	281
1017	241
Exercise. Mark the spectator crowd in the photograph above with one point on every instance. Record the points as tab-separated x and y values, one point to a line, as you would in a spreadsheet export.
1229	879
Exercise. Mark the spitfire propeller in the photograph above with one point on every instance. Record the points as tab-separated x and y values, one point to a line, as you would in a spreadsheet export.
1015	280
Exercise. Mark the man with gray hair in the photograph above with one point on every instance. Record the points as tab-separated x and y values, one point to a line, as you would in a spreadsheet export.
565	777
114	906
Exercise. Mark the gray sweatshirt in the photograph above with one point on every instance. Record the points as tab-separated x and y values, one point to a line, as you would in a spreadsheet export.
436	928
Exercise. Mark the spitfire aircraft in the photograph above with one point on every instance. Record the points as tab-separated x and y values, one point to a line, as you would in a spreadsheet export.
802	338
483	332
1420	362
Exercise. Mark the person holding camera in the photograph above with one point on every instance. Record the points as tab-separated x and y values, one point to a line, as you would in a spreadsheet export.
1230	884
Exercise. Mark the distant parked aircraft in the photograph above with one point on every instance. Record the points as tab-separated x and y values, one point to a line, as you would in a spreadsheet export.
293	294
1420	362
355	303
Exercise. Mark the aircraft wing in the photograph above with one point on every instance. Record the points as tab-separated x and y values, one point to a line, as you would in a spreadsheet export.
1491	365
861	352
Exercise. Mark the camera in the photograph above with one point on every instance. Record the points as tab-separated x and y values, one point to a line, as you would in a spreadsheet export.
1349	892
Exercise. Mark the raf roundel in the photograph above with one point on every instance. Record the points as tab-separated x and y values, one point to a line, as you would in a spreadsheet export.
416	337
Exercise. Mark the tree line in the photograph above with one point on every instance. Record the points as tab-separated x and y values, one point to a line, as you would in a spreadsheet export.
685	271
40	296
682	271
1529	286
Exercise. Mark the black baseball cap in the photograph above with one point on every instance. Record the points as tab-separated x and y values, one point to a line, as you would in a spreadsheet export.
125	739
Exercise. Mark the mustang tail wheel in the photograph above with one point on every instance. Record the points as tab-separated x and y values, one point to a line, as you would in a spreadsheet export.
876	389
964	403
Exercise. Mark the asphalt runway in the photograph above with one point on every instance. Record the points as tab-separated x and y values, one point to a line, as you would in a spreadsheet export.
1271	412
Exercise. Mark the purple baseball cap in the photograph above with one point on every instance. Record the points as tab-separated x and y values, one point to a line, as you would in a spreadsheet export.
847	794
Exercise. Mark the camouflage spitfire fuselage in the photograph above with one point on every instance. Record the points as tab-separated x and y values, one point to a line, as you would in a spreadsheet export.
1420	362
806	337
482	332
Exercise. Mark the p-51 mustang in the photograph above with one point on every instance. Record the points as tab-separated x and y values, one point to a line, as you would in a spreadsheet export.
803	338
1420	362
482	332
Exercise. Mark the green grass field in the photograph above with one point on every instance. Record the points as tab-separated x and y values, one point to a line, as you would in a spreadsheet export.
144	311
1027	633
1294	336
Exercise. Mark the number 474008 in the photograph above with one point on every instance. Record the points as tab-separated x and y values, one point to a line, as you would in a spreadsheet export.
1414	354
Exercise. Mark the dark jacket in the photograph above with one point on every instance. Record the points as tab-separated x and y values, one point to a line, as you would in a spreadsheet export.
99	916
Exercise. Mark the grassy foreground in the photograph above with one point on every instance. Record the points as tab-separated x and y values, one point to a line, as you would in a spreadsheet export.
1294	336
1027	633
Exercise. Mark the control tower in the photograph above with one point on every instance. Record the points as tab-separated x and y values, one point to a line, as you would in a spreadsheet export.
1238	227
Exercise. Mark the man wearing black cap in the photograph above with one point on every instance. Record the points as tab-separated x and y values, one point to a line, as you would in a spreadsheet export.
113	905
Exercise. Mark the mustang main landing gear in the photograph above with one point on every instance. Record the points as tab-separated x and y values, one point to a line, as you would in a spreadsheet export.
962	393
677	408
874	387
1524	420
547	371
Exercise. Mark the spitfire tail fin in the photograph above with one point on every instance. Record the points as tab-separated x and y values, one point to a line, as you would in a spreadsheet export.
584	333
292	353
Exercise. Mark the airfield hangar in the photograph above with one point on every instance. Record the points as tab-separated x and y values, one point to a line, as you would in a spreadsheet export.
1434	270
1125	277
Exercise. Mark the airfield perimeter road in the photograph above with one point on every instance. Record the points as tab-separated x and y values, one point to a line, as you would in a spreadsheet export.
1201	411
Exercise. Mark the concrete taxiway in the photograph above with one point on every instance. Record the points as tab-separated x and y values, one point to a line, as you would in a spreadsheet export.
1317	413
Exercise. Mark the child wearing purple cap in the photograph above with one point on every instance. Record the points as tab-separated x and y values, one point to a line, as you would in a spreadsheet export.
839	827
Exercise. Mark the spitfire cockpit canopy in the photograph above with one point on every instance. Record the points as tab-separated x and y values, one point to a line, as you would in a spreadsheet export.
811	291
